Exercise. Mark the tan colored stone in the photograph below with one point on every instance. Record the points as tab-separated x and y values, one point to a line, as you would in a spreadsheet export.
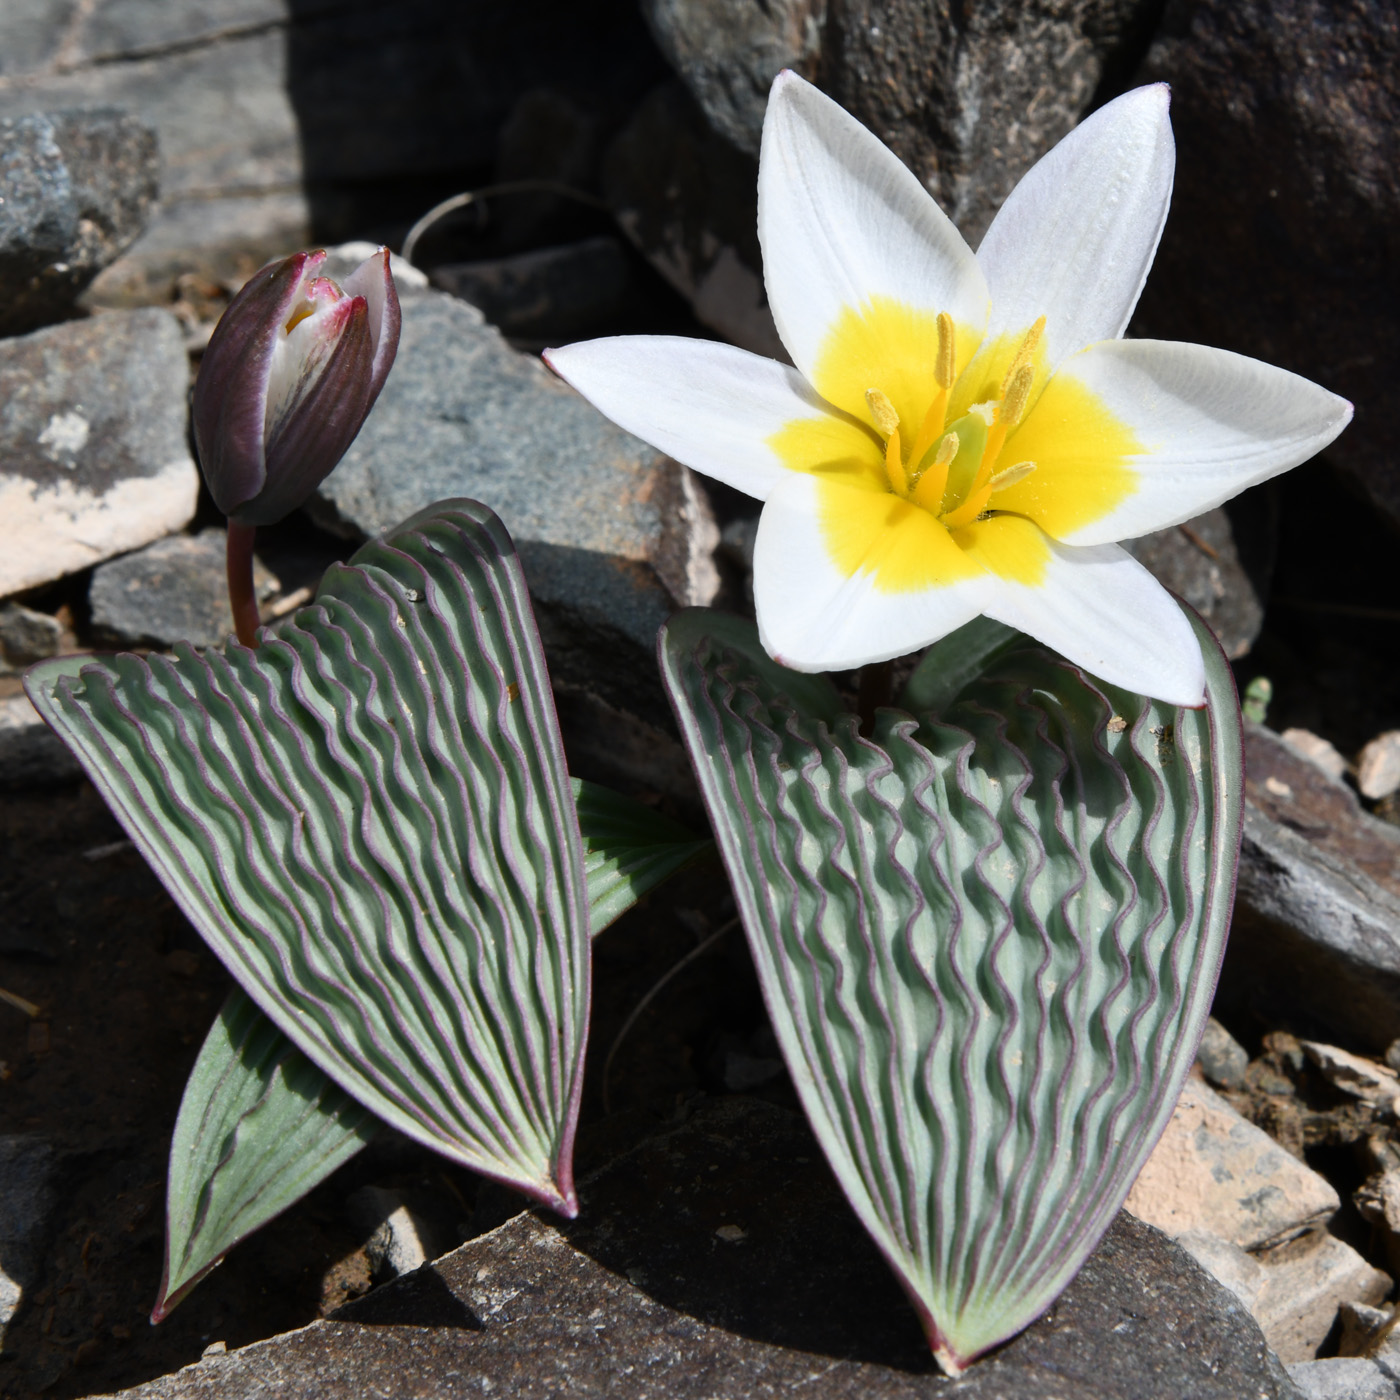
1378	766
1306	1282
1316	750
1215	1171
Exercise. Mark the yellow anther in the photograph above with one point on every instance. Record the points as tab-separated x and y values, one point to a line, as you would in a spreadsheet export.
946	363
1018	390
1028	348
1011	476
882	411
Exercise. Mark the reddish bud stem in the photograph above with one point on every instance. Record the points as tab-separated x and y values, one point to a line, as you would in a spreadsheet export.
241	596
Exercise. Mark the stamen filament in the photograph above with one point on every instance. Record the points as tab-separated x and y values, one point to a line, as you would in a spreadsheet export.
894	466
933	482
970	509
931	427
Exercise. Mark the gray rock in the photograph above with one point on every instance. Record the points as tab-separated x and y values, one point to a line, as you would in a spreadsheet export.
689	201
970	96
613	535
255	100
75	190
1342	1378
31	754
1306	1283
728	54
1294	258
174	590
1199	561
1315	941
753	1279
26	636
547	297
94	458
26	1205
1223	1060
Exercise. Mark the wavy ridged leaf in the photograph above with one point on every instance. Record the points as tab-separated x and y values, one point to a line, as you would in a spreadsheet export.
369	820
988	941
260	1125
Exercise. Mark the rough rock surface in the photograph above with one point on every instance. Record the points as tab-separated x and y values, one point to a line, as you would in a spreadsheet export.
1315	941
172	591
94	459
728	54
550	295
26	1202
1295	258
1343	1378
612	534
31	754
75	189
689	201
720	1259
260	105
1215	1171
1199	561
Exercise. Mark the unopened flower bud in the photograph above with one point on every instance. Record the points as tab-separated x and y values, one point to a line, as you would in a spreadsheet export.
292	371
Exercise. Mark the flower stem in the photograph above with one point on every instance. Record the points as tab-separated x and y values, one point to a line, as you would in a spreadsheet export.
242	599
876	689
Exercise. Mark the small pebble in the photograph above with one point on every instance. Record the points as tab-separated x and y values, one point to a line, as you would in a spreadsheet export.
1222	1058
1316	750
1378	766
732	1234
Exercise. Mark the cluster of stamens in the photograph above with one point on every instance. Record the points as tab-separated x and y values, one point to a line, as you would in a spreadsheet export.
922	474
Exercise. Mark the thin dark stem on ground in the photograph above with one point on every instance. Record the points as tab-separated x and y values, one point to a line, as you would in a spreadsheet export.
876	689
699	950
241	596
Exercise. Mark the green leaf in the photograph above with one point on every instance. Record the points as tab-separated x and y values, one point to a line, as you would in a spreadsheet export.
950	664
260	1125
628	849
369	820
988	941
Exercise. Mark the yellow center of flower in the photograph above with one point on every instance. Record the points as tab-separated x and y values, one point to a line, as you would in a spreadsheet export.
955	456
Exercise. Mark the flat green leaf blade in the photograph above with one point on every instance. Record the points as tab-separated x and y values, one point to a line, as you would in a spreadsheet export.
370	822
988	941
260	1125
628	849
955	661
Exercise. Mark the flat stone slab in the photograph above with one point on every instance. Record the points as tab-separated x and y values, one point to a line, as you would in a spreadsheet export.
1315	942
719	1259
94	459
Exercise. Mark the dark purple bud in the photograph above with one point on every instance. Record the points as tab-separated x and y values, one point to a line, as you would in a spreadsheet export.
292	371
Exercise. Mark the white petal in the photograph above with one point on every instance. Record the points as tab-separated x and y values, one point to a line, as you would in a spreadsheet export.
710	406
1075	238
814	617
841	219
1101	609
1212	424
374	281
